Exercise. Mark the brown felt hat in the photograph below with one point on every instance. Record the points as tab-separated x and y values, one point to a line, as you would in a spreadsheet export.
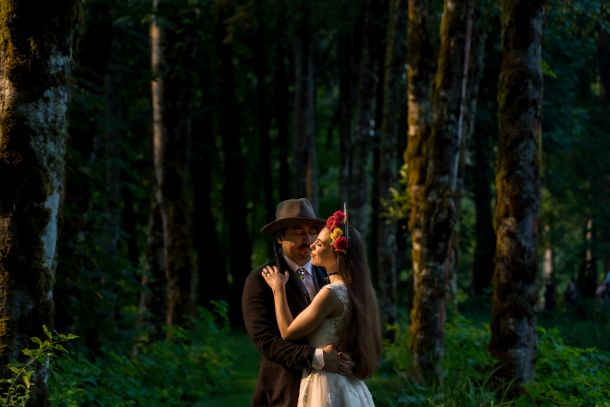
290	212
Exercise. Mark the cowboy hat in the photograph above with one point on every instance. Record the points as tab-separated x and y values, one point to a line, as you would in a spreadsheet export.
290	212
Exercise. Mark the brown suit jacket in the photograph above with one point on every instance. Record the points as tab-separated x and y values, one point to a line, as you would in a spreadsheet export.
281	362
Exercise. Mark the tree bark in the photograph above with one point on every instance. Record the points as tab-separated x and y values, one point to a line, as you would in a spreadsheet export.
421	66
173	62
440	206
36	52
513	323
387	177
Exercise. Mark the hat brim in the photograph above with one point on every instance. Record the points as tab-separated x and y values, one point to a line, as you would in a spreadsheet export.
282	223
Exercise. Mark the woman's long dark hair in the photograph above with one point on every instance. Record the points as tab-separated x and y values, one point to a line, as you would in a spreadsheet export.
363	332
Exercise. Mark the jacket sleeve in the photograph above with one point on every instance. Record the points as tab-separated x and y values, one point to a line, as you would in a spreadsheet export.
259	318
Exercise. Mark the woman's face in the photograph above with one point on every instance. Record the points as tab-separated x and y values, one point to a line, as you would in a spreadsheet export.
321	252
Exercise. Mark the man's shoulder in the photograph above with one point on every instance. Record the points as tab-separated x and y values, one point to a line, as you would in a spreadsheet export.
255	273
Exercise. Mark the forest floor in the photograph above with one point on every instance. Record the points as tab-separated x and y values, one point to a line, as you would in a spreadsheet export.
246	369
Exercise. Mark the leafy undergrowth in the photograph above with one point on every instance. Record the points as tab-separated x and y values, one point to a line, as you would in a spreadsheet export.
565	375
180	372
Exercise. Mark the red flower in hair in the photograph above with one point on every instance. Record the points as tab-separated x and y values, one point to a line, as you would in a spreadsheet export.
335	220
340	216
341	244
338	242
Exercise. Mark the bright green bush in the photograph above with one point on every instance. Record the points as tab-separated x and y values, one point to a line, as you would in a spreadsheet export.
180	372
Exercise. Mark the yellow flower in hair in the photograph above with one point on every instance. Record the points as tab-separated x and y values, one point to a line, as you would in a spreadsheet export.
335	234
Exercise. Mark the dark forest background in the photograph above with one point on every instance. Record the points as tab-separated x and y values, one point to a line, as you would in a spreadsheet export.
188	121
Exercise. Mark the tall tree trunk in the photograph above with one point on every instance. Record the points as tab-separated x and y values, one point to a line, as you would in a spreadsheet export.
468	107
358	203
513	322
234	194
479	141
387	177
263	113
587	277
485	238
36	54
281	108
345	50
173	63
440	205
420	71
211	257
304	152
603	52
153	298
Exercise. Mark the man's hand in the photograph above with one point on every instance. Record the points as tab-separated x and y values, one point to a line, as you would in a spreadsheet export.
338	362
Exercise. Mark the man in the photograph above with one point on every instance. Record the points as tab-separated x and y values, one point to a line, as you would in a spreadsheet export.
282	363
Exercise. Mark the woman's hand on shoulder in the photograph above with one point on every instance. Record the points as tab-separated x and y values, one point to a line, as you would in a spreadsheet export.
274	278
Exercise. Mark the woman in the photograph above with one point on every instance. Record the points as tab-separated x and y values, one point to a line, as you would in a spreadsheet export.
344	313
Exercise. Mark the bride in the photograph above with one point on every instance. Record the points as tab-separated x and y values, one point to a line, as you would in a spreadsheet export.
344	313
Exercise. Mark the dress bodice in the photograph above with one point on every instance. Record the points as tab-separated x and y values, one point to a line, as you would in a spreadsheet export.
329	331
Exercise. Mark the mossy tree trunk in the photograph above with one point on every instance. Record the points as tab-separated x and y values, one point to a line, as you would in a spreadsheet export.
513	323
439	209
303	142
36	53
173	64
421	67
394	106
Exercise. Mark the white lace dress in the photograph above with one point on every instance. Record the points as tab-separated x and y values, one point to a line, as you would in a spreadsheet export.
324	389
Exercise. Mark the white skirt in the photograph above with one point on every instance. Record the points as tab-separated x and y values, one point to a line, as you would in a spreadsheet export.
325	389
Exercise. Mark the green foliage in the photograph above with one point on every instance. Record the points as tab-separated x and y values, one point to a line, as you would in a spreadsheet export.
466	365
178	372
565	375
16	390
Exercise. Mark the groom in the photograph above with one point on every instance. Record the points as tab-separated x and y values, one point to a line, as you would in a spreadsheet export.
282	363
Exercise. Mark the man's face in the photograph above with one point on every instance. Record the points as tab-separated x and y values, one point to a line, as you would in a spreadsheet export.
295	241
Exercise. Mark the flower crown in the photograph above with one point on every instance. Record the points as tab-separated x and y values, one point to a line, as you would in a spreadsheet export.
338	241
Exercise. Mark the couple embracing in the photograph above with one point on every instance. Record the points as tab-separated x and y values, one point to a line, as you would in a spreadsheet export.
312	313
